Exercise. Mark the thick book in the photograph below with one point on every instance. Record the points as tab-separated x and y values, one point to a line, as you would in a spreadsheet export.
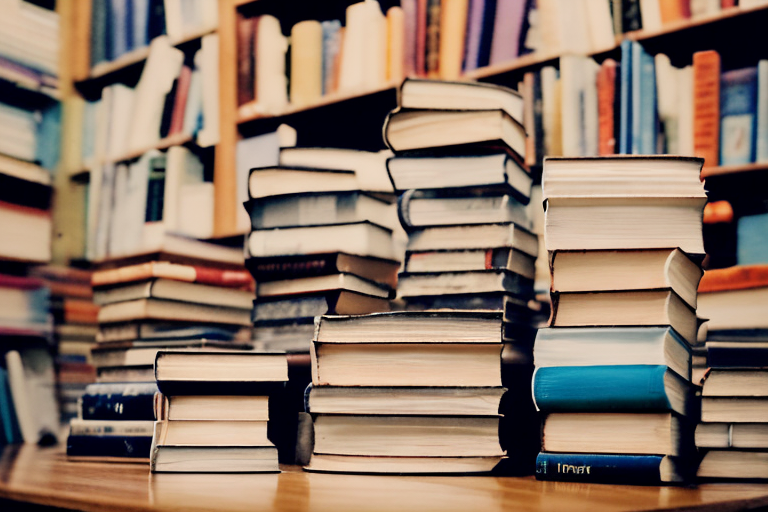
153	330
731	382
600	223
319	208
212	408
277	181
418	209
610	469
614	346
735	312
737	354
360	239
625	308
322	463
732	436
479	236
214	459
736	409
426	170
167	270
220	373
610	388
408	130
161	309
211	433
318	284
119	401
107	447
734	464
462	283
112	428
738	116
173	290
115	354
500	258
279	268
652	269
283	309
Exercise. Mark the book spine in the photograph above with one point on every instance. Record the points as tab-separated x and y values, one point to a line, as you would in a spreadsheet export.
109	446
432	56
576	467
600	388
606	92
625	101
116	406
736	357
636	99
486	34
421	37
762	111
474	33
275	269
245	74
410	16
706	97
631	18
647	113
738	116
111	428
403	209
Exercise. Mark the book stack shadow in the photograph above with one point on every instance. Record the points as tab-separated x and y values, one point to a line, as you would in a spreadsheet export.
191	295
734	418
459	167
613	369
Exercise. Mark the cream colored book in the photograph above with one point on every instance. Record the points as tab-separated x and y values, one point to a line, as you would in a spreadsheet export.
306	63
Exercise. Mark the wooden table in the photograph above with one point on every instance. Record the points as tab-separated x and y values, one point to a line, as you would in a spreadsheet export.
43	476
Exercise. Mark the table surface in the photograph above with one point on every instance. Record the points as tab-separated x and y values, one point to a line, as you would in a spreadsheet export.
44	476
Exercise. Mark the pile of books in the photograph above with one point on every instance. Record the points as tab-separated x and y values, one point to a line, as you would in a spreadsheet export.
734	428
75	323
407	392
215	413
194	295
613	369
29	45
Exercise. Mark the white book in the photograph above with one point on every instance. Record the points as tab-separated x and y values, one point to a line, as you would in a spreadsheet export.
762	110
207	61
271	84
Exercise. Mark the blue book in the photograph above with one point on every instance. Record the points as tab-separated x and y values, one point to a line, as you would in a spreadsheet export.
129	12
610	388
738	116
331	47
625	99
752	239
10	433
140	18
486	34
48	137
614	469
121	401
643	99
117	28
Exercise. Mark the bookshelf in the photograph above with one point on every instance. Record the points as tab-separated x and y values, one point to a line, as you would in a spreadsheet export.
43	477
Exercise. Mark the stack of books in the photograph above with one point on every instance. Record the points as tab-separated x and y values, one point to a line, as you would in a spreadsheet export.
194	297
460	151
75	323
734	428
215	412
613	369
407	392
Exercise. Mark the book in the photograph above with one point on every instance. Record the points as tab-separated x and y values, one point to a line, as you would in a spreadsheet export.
644	120
212	433
364	49
216	408
625	88
762	112
306	84
612	346
606	107
581	223
159	329
647	433
507	30
360	239
741	277
275	181
706	94
737	436
630	308
270	65
9	423
246	30
480	22
110	428
737	354
31	380
278	310
496	171
313	208
27	232
174	271
501	258
161	309
406	130
463	283
219	373
315	284
173	290
419	209
473	237
734	409
322	463
751	240
115	354
587	271
632	387
453	24
403	401
726	464
610	468
736	309
109	447
407	436
278	268
332	38
738	116
433	37
729	382
26	303
118	402
208	459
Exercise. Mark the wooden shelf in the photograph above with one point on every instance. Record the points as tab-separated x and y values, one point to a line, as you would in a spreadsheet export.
725	170
43	476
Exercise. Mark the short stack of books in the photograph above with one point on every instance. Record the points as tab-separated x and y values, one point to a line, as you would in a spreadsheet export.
408	392
193	295
215	412
75	323
460	153
613	369
734	403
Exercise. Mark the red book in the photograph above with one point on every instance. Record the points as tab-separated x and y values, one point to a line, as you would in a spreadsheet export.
175	271
180	102
734	278
255	42
20	283
80	312
421	38
706	106
724	4
245	74
606	100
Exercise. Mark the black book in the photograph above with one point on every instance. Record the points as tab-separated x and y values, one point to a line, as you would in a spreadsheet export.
737	354
133	447
170	99
25	193
119	401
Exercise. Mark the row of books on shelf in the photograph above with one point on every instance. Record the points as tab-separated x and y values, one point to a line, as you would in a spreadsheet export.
119	27
29	44
30	133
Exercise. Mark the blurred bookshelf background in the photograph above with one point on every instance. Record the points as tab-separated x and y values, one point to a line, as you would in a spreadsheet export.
128	129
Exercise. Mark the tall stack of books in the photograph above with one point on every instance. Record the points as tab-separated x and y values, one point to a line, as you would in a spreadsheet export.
734	428
75	323
215	413
613	369
407	392
192	295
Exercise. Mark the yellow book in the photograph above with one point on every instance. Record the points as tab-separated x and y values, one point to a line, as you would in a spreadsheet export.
395	44
306	85
453	25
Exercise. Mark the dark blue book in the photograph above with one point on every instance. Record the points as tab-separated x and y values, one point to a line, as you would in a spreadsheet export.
737	354
738	116
121	401
752	239
118	28
486	34
611	388
625	99
610	469
155	19
139	19
643	99
133	447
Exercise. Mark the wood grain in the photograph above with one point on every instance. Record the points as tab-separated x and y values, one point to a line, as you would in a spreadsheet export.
43	476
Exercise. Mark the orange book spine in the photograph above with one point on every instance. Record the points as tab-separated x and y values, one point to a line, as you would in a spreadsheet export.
606	99
734	278
706	105
674	10
528	118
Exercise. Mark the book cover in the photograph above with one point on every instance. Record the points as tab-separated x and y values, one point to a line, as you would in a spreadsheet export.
432	56
752	240
129	401
599	468
606	99
625	100
133	447
507	29
706	98
738	116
